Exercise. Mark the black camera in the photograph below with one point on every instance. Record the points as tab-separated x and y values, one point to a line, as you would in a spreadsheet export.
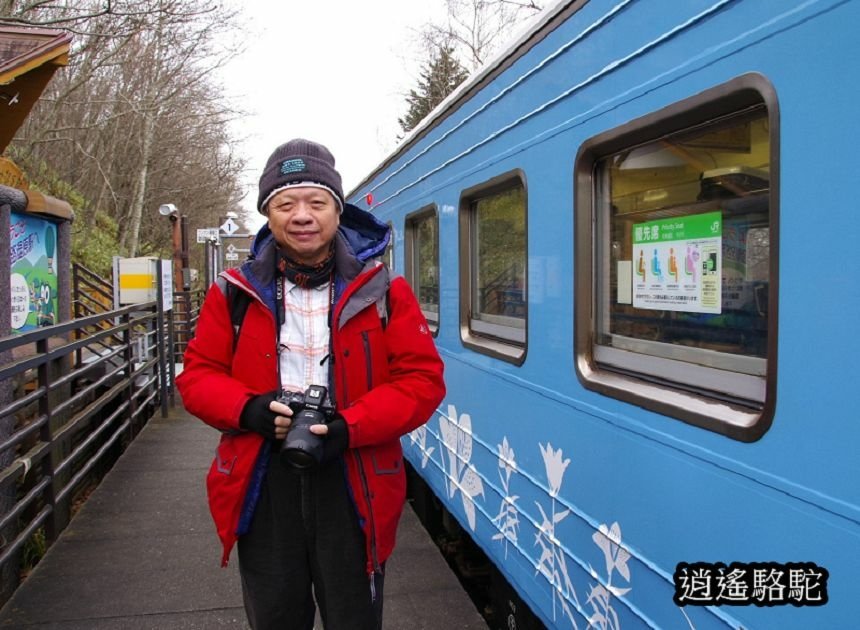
302	448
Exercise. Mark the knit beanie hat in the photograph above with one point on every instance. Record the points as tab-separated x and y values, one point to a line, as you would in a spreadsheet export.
299	163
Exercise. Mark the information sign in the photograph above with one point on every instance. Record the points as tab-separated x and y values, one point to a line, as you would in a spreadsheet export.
207	234
167	284
677	264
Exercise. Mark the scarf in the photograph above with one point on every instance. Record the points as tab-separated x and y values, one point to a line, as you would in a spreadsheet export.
306	276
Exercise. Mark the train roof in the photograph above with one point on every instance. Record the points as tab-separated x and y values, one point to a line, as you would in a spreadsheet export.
544	23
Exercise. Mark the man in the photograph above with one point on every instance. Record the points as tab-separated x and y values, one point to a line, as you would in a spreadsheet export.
320	311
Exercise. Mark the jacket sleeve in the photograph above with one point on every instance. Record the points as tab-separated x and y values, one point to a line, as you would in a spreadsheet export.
415	386
206	384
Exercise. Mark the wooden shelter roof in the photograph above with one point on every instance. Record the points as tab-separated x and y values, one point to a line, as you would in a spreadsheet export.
28	59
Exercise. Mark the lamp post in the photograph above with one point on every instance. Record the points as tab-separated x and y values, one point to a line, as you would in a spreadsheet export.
180	244
181	274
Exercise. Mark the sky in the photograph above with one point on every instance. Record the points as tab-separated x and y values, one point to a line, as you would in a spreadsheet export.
331	71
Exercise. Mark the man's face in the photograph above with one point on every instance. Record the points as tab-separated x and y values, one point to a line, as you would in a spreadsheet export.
304	222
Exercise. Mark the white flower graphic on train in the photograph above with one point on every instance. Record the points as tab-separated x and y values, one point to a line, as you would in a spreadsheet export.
507	519
609	540
552	563
419	436
456	432
555	467
600	596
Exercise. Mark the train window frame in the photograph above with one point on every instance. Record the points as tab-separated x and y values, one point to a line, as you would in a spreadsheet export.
495	339
673	386
411	264
388	254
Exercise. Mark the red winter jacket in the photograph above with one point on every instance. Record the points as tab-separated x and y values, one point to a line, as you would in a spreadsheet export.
387	380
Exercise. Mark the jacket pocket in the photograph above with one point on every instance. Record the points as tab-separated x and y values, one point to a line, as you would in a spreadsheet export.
225	456
387	460
368	358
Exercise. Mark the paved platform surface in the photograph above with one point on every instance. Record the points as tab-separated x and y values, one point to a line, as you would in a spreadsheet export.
142	554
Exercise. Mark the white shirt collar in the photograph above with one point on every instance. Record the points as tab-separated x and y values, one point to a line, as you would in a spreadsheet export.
289	286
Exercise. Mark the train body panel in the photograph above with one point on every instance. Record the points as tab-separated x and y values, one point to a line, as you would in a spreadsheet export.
587	502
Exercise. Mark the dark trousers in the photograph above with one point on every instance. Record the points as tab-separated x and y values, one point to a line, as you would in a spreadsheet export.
305	542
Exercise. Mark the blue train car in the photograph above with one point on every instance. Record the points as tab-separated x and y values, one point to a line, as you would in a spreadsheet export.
630	236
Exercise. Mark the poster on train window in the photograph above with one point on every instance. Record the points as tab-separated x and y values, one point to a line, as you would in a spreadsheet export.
677	264
32	256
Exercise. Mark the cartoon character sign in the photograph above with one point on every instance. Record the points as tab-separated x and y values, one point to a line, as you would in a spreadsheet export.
32	251
42	303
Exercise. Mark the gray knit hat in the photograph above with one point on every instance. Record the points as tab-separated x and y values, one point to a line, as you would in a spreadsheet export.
299	163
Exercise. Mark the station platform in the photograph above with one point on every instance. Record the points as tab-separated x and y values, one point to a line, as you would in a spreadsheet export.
142	554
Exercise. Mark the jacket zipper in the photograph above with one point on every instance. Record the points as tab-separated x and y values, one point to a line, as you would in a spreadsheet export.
374	556
368	361
345	392
366	490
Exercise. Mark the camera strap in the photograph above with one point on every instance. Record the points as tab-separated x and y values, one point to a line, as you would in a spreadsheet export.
279	299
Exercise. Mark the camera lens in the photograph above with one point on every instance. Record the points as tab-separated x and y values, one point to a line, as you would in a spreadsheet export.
301	448
299	458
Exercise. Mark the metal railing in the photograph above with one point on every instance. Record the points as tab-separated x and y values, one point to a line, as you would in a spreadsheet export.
186	311
91	294
72	396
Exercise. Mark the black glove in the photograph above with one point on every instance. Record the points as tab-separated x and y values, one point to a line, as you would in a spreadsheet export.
336	440
256	415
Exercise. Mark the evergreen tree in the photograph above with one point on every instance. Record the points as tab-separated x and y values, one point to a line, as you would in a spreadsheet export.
439	77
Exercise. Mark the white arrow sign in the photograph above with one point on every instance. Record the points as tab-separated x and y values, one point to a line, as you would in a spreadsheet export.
229	226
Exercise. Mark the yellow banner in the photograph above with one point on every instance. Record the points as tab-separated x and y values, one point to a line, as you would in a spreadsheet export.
136	281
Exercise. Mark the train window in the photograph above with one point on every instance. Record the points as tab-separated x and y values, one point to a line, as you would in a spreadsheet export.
676	299
422	261
493	305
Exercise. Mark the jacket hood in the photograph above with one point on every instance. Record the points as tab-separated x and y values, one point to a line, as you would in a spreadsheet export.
364	234
360	237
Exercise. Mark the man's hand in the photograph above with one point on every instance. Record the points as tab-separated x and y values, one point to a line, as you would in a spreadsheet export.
335	435
263	414
283	418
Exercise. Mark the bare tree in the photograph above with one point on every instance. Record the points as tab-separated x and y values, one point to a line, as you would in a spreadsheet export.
472	32
477	28
137	119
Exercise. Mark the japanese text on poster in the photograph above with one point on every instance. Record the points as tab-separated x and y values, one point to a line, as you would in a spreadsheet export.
677	264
